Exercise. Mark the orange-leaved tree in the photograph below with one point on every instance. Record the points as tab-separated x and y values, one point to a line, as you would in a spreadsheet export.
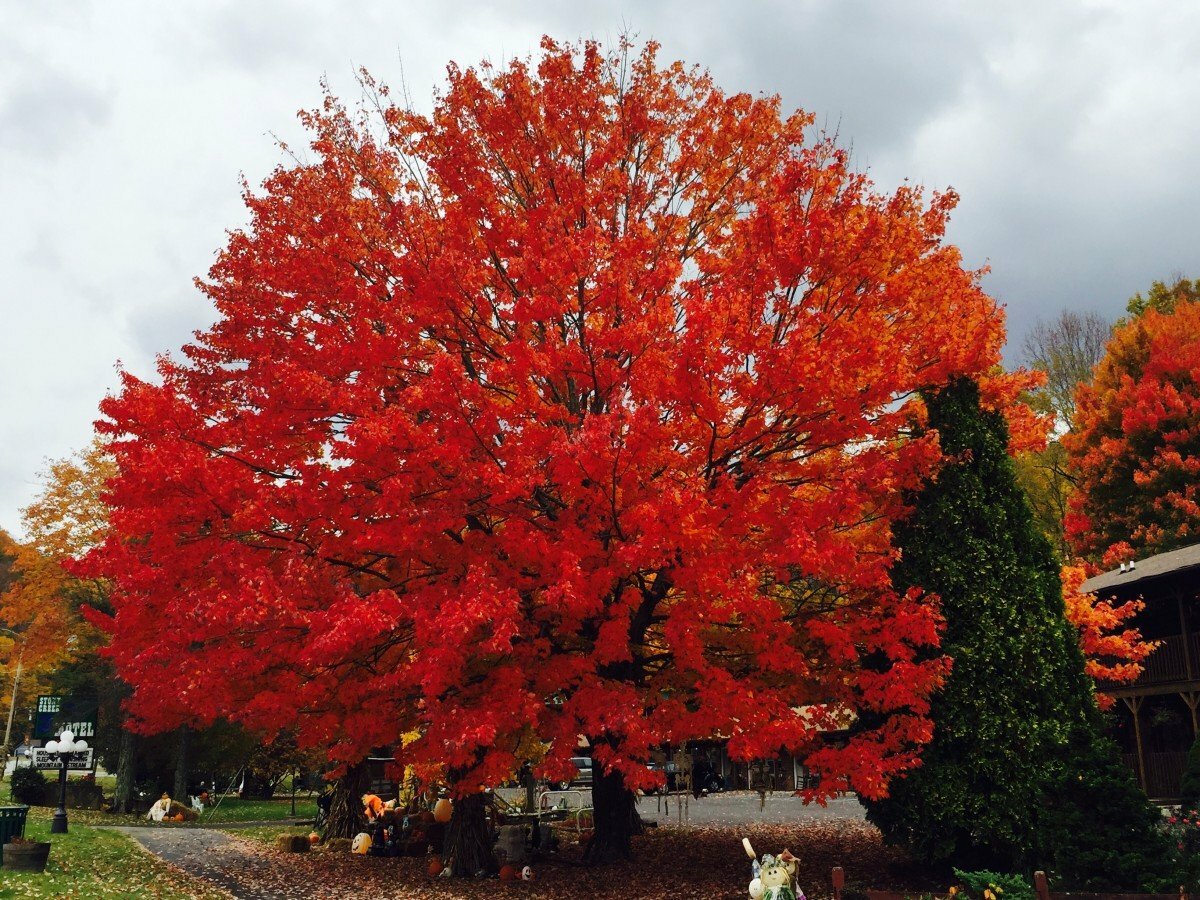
582	406
11	644
1113	649
40	602
1135	448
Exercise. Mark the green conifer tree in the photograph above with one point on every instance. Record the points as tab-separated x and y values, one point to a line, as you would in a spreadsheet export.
1017	718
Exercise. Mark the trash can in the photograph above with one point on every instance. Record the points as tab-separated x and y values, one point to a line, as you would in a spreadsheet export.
12	822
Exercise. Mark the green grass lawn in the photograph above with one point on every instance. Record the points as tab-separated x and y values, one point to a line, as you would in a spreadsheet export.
89	862
232	809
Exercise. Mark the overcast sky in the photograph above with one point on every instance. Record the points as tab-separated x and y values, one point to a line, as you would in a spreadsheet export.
1070	129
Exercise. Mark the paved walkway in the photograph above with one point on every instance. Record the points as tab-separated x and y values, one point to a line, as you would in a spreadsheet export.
726	808
746	808
226	862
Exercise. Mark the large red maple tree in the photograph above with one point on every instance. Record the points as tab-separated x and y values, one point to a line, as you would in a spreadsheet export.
580	406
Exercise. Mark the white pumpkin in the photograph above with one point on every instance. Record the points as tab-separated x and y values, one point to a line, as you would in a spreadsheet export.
361	843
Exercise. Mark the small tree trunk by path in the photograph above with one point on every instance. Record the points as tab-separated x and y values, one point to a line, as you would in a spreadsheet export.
530	784
346	817
616	818
126	772
182	765
468	847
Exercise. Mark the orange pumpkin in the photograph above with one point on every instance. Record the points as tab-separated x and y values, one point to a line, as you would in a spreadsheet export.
443	810
508	873
435	866
314	838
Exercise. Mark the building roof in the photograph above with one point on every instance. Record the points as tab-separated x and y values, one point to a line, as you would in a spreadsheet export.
1146	569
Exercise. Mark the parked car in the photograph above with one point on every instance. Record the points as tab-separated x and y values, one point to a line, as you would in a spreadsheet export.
668	769
583	774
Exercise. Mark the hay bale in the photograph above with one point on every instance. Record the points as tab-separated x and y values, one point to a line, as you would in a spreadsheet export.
337	845
178	809
292	843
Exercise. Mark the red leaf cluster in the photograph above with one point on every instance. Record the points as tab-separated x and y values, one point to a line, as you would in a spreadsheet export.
1134	445
1113	651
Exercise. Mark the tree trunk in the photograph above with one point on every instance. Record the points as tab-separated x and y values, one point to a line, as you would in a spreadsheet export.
346	817
468	847
183	765
256	786
126	772
530	785
615	816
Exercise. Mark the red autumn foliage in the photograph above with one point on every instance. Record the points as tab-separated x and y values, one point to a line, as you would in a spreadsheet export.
1114	652
581	406
1134	447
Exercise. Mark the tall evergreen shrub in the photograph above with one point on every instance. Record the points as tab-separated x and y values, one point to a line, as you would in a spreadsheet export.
1017	748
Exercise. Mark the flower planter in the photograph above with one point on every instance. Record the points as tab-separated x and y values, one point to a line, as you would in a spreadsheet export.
26	857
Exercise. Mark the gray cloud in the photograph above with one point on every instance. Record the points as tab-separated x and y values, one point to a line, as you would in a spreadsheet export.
1067	128
43	116
168	324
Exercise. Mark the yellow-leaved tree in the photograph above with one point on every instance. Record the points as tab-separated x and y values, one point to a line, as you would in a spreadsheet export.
40	599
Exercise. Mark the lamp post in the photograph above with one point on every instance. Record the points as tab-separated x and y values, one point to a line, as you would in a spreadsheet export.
64	747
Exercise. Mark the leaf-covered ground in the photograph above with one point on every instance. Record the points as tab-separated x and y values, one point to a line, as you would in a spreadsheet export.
703	862
93	863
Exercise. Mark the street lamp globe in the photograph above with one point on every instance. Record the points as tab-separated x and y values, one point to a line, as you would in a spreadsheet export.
64	747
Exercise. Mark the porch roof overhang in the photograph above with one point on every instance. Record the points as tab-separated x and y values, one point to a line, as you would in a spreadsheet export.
1133	581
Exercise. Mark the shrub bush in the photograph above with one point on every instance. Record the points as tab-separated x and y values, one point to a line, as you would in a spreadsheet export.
29	786
1189	789
978	885
84	793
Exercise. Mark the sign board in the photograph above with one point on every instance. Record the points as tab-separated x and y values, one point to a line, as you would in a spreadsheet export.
48	708
54	714
80	761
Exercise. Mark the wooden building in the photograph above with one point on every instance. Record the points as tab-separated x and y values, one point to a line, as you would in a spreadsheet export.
1156	716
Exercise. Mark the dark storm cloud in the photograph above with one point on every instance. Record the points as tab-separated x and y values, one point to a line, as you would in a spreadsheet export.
844	61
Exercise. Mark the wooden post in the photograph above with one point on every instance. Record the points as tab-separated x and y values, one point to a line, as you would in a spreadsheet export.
1040	886
839	882
1187	642
1135	705
1192	699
